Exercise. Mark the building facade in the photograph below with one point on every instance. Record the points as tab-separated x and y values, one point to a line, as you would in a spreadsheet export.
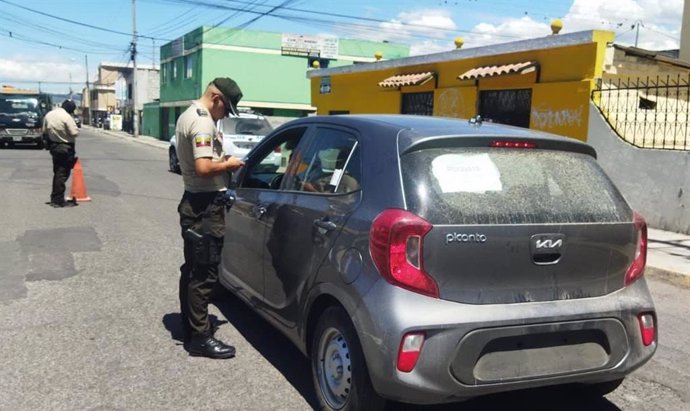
269	67
544	83
112	92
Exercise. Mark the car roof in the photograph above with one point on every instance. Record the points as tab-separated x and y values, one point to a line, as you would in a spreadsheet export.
428	131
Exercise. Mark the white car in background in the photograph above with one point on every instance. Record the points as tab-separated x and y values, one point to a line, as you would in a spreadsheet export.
240	135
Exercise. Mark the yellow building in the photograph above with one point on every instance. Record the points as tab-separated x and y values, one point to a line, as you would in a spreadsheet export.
543	83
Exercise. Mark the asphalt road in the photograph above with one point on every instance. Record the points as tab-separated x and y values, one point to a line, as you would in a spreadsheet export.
89	314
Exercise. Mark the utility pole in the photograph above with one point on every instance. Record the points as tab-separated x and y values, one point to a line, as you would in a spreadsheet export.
135	116
87	98
637	33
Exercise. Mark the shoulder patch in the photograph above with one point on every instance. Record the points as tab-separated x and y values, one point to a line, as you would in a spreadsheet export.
202	140
201	112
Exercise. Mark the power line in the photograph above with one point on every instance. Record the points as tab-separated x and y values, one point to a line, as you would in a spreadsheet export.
328	14
23	23
17	36
78	22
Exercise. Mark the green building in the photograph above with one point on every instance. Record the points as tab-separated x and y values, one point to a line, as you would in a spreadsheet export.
269	67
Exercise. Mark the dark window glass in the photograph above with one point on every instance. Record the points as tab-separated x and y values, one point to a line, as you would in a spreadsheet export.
418	103
268	166
247	126
506	106
326	165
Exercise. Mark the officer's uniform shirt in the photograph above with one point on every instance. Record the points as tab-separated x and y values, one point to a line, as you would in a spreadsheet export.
60	126
197	138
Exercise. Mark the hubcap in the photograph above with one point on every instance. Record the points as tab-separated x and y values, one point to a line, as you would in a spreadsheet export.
334	368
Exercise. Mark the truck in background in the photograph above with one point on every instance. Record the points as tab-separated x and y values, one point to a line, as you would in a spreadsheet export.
21	116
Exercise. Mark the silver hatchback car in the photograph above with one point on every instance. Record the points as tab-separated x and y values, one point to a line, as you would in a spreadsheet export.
429	260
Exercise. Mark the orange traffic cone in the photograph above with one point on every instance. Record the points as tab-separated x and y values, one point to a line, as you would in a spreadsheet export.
78	192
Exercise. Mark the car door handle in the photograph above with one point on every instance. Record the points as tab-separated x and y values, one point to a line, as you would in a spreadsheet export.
325	224
259	211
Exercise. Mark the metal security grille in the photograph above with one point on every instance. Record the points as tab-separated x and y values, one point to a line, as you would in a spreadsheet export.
506	106
648	112
421	104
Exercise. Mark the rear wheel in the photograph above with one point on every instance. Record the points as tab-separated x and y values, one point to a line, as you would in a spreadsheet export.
339	371
174	163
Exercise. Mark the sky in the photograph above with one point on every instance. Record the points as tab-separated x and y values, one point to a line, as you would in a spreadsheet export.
52	42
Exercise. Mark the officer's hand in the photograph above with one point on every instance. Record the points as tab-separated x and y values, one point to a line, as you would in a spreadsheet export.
233	163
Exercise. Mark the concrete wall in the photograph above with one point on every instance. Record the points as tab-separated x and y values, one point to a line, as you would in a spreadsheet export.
656	183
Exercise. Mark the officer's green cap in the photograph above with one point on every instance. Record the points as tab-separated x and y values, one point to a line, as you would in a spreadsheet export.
231	94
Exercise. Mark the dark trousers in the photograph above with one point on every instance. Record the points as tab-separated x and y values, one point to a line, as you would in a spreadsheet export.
63	161
203	213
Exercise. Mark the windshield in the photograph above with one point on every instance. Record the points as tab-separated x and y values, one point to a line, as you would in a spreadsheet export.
14	105
509	186
250	126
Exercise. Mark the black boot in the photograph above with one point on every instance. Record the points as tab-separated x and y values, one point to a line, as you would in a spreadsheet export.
209	346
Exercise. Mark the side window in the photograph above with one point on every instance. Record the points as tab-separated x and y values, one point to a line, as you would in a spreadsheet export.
326	165
268	166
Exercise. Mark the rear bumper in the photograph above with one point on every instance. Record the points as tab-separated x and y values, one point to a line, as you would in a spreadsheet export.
473	350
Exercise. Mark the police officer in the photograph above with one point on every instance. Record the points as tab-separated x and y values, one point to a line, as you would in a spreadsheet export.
60	131
205	171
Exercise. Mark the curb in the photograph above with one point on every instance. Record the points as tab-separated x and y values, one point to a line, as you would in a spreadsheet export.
668	276
147	140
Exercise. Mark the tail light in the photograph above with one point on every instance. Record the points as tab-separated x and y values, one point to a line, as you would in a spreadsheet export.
396	244
636	269
409	351
513	144
647	328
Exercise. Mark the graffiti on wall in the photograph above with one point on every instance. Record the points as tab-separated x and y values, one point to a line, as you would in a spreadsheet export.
545	118
449	103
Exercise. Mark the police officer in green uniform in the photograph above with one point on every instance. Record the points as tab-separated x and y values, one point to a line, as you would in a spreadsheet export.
205	171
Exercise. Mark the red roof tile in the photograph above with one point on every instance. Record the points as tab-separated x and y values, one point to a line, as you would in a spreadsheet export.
490	71
406	80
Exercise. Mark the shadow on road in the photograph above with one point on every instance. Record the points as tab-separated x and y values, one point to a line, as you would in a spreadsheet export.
287	359
270	343
33	147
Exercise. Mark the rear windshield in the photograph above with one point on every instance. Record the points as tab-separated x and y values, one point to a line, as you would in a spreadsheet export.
509	186
247	126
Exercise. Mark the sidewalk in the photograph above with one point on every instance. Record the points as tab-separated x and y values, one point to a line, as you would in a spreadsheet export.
668	256
148	140
668	253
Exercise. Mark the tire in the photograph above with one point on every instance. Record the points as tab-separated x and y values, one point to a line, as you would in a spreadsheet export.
339	371
173	162
40	145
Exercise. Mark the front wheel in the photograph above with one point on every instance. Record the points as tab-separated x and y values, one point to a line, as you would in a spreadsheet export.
339	371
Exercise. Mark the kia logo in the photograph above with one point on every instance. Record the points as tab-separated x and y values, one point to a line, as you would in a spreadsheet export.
547	243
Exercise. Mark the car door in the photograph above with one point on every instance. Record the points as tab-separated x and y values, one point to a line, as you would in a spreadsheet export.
315	200
254	188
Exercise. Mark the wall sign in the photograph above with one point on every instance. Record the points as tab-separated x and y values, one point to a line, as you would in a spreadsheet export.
309	46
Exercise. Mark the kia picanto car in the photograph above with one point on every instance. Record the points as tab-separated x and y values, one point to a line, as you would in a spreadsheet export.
429	260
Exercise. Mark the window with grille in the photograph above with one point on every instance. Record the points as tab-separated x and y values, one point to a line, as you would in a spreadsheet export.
421	104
